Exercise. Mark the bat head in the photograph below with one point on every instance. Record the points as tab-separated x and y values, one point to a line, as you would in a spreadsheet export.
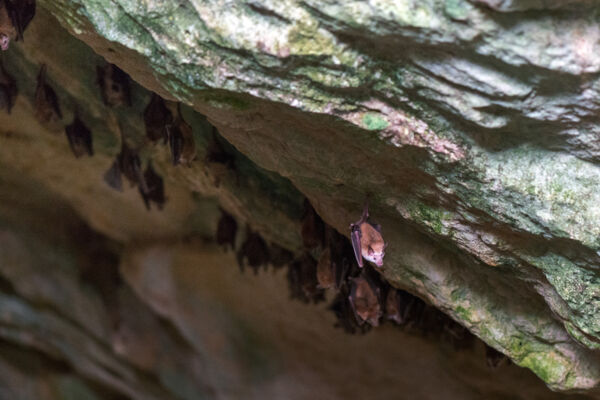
4	41
375	255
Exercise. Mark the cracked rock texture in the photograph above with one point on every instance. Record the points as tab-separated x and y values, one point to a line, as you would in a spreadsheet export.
471	126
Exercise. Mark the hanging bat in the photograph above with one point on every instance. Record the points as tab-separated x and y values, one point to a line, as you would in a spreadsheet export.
217	160
131	166
113	176
181	140
155	190
313	228
302	280
156	119
8	90
365	298
226	230
47	108
367	240
493	357
254	249
114	85
279	256
325	270
346	318
80	138
15	16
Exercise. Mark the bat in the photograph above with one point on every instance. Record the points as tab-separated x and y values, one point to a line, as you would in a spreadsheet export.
15	16
367	240
156	119
325	270
217	160
46	104
365	299
181	140
131	166
226	230
312	230
254	250
8	89
80	138
279	256
302	280
344	313
493	357
114	85
113	176
154	190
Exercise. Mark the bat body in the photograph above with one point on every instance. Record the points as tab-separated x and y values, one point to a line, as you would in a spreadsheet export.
217	160
181	141
493	357
8	90
114	85
302	280
367	240
365	300
254	249
80	138
131	166
155	190
47	108
113	177
226	230
279	256
325	270
313	229
156	119
15	16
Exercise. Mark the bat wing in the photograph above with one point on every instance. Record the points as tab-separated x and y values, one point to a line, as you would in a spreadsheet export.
377	227
21	12
113	177
355	236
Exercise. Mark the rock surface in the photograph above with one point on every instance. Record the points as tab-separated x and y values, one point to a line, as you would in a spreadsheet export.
470	125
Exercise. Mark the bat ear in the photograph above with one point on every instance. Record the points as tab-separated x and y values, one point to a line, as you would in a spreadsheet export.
370	251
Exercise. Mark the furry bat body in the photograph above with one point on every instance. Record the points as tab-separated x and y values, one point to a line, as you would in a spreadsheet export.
114	85
80	138
47	108
157	117
181	141
15	15
8	90
367	240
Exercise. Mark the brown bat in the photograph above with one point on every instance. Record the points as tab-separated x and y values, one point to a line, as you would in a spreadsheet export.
217	160
157	117
255	250
113	176
181	140
80	138
131	166
302	280
15	16
313	228
155	189
342	309
367	240
325	270
47	108
493	357
280	257
226	230
365	298
114	85
8	90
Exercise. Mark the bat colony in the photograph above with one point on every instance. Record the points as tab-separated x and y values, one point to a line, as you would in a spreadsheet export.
363	299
